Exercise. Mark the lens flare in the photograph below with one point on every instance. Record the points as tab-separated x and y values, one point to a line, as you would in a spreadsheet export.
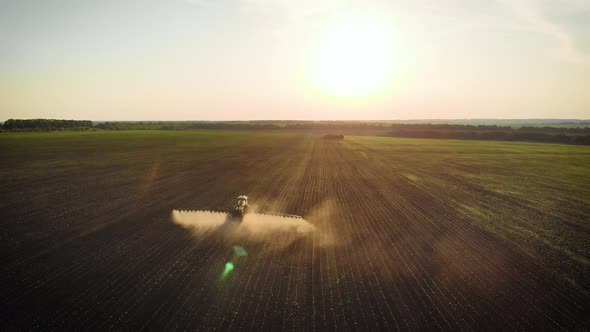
229	266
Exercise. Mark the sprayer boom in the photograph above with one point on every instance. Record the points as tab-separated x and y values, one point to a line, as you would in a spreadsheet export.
237	212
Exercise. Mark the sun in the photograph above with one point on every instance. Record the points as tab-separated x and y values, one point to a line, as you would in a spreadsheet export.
354	56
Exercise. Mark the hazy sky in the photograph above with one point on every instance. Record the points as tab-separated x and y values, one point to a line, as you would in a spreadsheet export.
249	59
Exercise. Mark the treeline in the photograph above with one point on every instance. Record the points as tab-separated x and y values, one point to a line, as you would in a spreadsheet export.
567	135
185	125
580	136
46	125
240	125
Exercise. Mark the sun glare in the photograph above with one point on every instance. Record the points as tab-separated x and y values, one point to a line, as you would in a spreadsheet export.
354	56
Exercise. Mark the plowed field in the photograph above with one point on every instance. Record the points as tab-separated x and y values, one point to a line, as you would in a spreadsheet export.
408	233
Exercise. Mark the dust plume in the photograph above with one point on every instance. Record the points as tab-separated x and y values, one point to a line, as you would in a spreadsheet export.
324	218
279	231
149	179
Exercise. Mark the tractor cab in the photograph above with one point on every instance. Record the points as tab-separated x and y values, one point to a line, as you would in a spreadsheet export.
242	201
241	207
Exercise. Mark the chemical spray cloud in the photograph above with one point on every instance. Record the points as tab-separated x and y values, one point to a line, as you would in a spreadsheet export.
279	231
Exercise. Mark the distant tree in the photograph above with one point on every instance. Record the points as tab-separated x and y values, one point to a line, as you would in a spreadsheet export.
45	125
492	132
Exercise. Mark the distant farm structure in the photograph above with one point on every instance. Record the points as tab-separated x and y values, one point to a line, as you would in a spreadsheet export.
334	136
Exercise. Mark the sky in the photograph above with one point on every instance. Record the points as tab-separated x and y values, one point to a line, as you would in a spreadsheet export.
302	60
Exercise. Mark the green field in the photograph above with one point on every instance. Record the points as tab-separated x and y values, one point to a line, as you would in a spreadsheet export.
423	233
